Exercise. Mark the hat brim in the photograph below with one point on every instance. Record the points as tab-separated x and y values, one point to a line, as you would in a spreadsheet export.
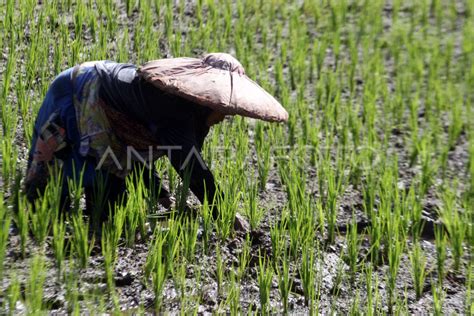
222	90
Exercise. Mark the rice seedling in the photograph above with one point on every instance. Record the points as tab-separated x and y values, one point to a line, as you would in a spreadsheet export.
40	220
438	299
81	243
441	241
159	240
307	274
219	273
188	236
172	243
418	269
254	212
76	190
59	242
278	240
369	306
179	278
469	303
338	279
227	206
263	150
22	222
285	281
207	225
265	275
4	232
34	288
72	291
454	222
244	258
355	305
14	295
159	273
395	250
353	246
135	213
233	296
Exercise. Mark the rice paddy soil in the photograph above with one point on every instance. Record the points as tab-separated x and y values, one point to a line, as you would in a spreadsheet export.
338	291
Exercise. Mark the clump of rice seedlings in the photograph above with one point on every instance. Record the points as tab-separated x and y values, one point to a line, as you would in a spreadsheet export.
263	150
265	275
40	220
72	291
285	280
111	233
233	297
395	250
469	302
188	237
244	258
136	207
333	188
135	214
46	207
76	189
401	306
159	240
278	238
34	287
227	206
300	223
178	271
369	288
9	153
219	273
308	276
207	224
4	232
428	166
107	253
411	202
80	242
173	243
320	218
355	305
254	212
374	299
438	299
338	279
22	221
353	246
109	244
441	241
418	269
183	191
375	233
455	223
13	294
59	242
159	272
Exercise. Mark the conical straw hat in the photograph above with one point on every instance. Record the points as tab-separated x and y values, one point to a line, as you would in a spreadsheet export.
217	81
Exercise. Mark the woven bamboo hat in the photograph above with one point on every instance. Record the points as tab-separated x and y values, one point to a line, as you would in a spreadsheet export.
217	81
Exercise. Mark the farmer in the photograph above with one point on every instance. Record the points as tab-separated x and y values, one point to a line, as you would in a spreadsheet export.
104	119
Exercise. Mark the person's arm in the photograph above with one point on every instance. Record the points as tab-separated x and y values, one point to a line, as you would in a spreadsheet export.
188	159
